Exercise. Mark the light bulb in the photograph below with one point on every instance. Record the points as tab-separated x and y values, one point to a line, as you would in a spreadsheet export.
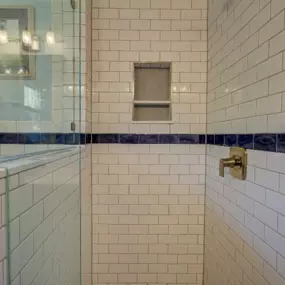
21	70
35	44
3	37
27	38
8	71
50	38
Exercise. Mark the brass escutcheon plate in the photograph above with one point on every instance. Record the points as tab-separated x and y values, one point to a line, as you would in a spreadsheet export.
239	172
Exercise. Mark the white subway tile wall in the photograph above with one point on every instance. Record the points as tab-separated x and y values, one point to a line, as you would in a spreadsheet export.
128	31
44	223
148	200
86	157
148	213
246	66
86	218
3	229
7	150
244	220
244	233
70	92
44	197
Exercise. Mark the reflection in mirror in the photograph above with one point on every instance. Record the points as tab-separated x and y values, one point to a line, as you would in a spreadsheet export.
17	58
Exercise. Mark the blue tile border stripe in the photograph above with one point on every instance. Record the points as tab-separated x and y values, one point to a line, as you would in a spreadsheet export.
262	142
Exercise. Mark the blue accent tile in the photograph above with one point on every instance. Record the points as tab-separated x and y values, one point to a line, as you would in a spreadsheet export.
148	139
32	138
48	138
108	138
60	138
128	138
88	138
72	139
245	141
95	138
9	138
265	142
21	139
230	140
83	138
210	139
77	138
202	139
189	139
219	139
69	138
168	139
281	143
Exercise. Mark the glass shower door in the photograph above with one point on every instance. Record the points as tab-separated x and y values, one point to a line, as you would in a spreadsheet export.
42	220
40	119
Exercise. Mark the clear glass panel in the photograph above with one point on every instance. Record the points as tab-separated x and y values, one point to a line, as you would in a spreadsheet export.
40	124
39	75
40	235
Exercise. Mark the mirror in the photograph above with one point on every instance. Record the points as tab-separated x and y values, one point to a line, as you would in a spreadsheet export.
17	52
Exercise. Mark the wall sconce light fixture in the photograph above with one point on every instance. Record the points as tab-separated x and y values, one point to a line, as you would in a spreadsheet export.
50	38
35	44
3	37
27	38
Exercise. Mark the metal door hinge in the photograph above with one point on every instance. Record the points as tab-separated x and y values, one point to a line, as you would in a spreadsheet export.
72	126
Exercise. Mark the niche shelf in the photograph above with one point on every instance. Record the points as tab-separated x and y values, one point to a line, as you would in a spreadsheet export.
152	92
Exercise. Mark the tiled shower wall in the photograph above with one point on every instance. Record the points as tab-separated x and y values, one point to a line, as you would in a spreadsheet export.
86	219
47	179
148	199
246	66
86	154
44	223
62	9
245	220
148	214
3	261
128	31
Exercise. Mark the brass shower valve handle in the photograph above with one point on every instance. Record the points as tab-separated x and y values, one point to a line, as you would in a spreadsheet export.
237	162
231	162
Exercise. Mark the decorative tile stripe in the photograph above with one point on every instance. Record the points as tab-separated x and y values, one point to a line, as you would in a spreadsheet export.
263	142
148	138
44	138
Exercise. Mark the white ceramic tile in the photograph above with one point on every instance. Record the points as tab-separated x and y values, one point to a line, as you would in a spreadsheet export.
267	216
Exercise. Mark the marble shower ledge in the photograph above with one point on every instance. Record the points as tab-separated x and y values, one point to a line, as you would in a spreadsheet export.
17	164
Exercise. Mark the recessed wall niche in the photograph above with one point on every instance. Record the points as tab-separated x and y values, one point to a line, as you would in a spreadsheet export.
152	92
